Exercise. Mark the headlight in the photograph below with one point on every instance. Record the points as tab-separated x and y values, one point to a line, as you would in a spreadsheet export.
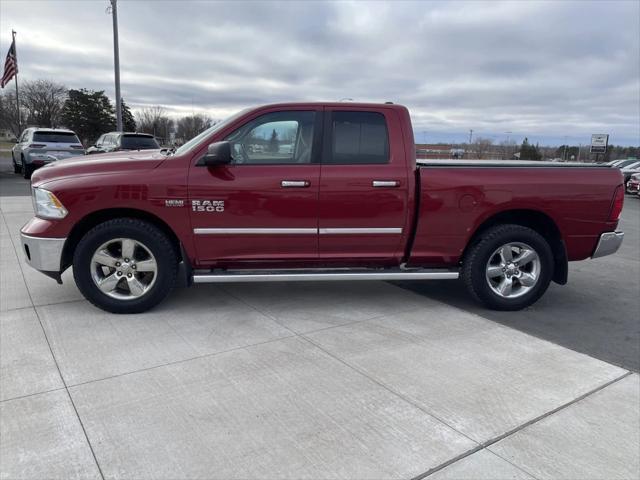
47	205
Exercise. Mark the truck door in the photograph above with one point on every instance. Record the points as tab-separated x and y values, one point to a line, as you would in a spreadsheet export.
363	186
264	205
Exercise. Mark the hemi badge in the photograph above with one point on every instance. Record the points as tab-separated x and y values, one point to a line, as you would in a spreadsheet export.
174	203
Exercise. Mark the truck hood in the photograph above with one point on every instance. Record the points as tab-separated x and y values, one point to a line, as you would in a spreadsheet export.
100	164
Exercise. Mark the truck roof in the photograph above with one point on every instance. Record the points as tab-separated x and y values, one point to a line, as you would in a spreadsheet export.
335	104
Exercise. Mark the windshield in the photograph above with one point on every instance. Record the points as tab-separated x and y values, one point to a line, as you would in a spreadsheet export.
218	126
138	142
55	137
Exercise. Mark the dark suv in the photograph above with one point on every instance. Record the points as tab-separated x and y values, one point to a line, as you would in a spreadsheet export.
114	141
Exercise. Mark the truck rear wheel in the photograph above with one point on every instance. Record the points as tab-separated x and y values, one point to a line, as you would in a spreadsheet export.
510	267
125	265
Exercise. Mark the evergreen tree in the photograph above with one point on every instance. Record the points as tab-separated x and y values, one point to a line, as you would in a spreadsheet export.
273	142
88	113
528	151
128	122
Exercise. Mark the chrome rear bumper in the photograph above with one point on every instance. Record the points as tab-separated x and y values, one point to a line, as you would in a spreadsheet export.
43	254
609	243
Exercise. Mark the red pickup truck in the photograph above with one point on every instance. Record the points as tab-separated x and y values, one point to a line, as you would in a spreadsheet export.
315	191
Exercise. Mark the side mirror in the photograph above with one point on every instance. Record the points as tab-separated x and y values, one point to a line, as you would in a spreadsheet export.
218	153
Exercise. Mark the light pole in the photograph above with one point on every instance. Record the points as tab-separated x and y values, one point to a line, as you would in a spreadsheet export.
508	149
116	64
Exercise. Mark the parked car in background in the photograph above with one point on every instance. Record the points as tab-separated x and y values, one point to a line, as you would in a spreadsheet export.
38	146
633	185
116	141
630	170
623	163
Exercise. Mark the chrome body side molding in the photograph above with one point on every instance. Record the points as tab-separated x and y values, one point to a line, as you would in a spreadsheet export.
296	231
356	231
255	231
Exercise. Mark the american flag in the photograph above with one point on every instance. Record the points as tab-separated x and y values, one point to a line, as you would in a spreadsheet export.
10	65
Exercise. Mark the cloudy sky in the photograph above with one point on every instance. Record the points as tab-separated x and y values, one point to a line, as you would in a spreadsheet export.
541	69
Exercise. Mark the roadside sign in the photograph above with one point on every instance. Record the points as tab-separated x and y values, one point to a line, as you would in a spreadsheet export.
599	142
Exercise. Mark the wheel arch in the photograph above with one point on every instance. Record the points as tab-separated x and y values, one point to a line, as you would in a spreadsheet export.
100	216
538	221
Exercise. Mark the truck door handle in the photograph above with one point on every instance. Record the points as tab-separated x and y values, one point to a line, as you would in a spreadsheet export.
295	183
385	183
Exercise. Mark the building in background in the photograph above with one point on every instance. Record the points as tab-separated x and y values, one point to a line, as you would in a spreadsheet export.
437	151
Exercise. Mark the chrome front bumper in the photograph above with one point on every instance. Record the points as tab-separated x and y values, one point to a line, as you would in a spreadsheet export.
609	243
44	254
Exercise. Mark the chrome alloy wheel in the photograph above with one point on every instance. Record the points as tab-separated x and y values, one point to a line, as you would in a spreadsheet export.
513	270
123	268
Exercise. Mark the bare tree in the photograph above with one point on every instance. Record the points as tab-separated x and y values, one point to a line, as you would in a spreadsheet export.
43	101
154	120
189	127
9	114
508	148
481	146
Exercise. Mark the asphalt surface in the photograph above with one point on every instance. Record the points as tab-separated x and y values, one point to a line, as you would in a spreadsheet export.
597	312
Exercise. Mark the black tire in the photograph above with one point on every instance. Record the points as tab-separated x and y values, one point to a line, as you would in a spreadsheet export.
16	168
27	170
152	238
474	266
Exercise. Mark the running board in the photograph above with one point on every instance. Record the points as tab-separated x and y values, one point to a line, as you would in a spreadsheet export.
324	275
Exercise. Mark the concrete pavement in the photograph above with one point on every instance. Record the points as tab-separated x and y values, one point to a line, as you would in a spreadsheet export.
309	380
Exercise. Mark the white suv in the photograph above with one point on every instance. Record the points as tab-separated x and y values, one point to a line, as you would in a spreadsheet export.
39	146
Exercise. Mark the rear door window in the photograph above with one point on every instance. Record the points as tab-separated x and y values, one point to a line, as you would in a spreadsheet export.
55	137
357	138
138	142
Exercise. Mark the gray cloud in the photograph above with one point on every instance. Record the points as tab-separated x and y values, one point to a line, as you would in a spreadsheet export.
545	69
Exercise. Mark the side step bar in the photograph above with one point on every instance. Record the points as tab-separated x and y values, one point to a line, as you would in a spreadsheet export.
323	275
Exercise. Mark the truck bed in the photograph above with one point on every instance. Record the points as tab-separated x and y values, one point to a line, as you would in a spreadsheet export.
457	196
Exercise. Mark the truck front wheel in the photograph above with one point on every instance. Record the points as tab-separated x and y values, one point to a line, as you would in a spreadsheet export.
125	265
509	268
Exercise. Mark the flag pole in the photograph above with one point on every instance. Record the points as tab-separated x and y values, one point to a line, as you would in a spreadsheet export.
116	64
15	52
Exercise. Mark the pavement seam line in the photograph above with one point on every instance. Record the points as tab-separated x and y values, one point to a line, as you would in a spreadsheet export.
55	360
305	338
353	322
20	397
488	443
184	360
481	317
389	389
212	354
64	302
